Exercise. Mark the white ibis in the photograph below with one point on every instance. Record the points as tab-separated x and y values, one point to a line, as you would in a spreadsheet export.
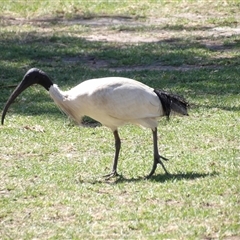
112	101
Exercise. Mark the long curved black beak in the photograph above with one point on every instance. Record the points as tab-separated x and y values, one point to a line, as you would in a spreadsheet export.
33	76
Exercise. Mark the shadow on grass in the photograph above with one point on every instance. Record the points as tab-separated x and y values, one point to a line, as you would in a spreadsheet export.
161	178
181	176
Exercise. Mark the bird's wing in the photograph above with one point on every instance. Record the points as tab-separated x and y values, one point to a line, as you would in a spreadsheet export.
121	98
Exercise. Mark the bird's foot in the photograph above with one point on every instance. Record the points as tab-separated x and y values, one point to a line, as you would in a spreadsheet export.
161	163
110	175
157	161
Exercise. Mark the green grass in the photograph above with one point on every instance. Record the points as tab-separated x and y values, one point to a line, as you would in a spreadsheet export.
51	184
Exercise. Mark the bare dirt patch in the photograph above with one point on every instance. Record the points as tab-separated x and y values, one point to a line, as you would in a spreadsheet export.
132	31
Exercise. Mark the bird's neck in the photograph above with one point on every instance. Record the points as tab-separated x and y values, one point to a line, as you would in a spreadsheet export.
65	103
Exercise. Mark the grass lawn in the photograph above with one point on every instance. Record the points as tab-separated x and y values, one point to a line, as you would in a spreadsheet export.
51	184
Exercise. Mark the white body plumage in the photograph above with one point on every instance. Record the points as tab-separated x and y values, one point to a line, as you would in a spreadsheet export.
113	101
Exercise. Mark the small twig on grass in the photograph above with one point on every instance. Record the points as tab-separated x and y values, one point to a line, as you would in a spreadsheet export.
8	86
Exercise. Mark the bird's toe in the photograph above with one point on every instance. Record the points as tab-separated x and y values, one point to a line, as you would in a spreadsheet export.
161	157
110	175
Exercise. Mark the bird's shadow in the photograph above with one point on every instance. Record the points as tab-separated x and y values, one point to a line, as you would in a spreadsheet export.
161	178
181	176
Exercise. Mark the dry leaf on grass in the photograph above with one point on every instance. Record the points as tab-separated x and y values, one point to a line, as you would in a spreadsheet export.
36	128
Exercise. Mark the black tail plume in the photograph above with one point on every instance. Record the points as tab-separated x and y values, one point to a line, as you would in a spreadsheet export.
172	102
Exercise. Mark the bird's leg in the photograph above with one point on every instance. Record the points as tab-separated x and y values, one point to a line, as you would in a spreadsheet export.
157	157
115	160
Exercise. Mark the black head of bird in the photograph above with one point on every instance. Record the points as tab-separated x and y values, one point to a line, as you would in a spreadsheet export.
112	101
